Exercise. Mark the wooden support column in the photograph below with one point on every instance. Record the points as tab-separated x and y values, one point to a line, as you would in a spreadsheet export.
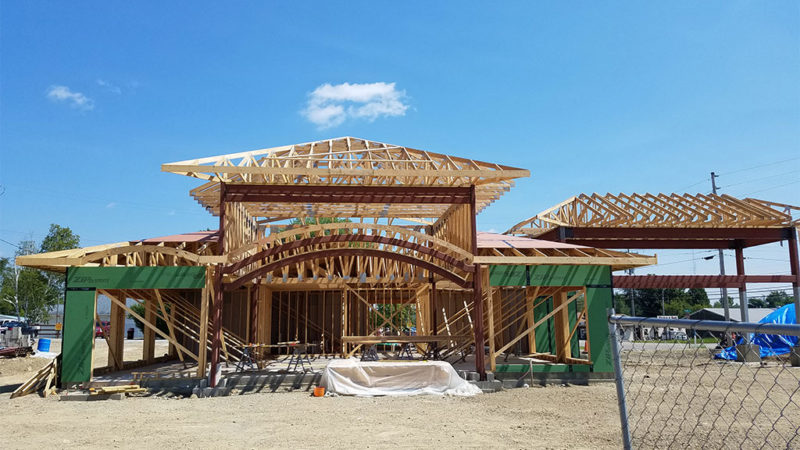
202	350
497	309
561	324
216	313
265	315
216	322
477	295
149	346
433	309
252	310
116	336
490	316
530	299
344	322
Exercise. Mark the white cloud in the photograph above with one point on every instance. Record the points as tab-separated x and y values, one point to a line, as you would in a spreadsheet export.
109	86
74	99
111	205
330	105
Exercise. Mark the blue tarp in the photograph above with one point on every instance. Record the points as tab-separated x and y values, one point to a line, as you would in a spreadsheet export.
771	344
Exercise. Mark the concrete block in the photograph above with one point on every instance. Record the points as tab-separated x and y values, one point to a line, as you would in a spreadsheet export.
489	376
794	358
78	397
748	353
71	397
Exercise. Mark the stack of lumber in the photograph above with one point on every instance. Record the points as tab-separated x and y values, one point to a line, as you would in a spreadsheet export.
126	389
44	379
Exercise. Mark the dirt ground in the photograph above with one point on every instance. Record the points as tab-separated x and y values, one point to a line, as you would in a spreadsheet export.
549	417
678	398
541	417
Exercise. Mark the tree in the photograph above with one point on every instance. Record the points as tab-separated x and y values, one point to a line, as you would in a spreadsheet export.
648	302
30	293
776	299
57	239
138	308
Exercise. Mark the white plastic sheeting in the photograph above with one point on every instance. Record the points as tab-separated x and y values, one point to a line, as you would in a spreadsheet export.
396	378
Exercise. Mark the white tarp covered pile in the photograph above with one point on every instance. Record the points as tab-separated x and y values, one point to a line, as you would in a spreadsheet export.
373	378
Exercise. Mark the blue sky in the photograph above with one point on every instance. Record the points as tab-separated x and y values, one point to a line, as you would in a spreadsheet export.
627	96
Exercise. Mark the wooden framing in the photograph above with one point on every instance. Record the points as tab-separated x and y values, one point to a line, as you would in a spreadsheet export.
328	283
658	211
345	161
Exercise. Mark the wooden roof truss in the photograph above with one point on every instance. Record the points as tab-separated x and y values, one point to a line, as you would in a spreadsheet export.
658	211
345	161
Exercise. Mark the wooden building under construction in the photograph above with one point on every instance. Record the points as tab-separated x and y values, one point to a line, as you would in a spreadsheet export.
338	245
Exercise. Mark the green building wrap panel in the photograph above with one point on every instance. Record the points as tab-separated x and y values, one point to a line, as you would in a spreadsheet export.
79	305
549	275
596	280
155	277
545	337
598	302
76	346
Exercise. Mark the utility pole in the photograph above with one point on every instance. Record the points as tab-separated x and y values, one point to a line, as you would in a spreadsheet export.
723	290
630	294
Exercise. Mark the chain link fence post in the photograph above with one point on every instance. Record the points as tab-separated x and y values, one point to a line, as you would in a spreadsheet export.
621	403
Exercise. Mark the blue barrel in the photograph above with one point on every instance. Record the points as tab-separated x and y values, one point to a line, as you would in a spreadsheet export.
44	345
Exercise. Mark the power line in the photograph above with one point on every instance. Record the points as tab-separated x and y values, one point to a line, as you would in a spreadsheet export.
759	166
751	180
773	187
11	244
692	185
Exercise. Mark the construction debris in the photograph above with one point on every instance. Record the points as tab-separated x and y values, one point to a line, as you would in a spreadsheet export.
45	379
126	389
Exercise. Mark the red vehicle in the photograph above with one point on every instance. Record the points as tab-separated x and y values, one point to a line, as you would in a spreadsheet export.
100	327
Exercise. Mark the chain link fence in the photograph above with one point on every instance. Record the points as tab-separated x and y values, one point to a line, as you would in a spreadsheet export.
681	391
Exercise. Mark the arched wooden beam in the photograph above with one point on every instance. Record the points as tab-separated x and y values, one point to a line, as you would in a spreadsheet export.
261	271
330	227
371	238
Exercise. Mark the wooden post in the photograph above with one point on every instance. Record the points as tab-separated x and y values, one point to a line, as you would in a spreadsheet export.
490	316
477	295
149	346
561	324
265	314
202	350
216	314
433	308
252	306
344	321
497	309
116	336
530	299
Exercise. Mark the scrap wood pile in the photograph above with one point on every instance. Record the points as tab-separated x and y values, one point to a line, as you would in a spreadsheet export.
126	389
45	380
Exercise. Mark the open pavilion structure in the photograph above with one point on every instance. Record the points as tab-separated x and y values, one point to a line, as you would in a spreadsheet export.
674	221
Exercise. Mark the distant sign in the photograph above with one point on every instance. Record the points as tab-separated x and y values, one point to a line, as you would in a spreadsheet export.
667	317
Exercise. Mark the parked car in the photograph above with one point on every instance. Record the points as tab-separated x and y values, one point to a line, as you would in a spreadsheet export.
100	327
